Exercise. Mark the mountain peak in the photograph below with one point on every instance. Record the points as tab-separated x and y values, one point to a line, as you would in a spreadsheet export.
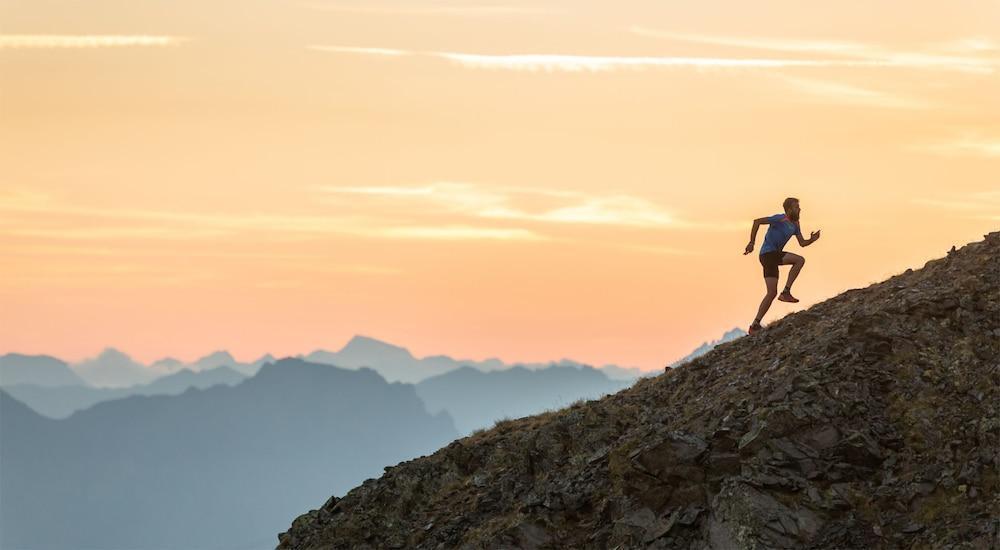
215	359
366	344
292	370
216	355
113	354
824	431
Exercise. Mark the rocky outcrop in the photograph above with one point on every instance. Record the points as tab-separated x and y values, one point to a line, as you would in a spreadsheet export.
870	420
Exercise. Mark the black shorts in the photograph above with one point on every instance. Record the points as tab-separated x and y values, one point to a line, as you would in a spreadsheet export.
771	261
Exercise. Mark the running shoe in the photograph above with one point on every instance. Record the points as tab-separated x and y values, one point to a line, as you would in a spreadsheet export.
787	297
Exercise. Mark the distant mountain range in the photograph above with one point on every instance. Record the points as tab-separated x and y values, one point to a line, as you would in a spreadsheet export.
55	389
62	401
224	467
113	368
397	364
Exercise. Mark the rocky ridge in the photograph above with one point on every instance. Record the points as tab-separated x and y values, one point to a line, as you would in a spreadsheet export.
870	420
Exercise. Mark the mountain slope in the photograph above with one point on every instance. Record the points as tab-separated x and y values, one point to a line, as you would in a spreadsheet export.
706	347
476	399
869	420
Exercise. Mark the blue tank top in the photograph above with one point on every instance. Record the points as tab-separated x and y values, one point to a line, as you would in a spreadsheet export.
778	232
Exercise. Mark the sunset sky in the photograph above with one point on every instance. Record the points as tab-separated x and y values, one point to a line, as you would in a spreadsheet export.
513	179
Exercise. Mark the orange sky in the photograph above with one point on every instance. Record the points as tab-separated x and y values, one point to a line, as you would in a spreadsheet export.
524	180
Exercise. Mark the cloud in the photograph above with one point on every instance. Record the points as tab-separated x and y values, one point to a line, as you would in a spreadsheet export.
458	232
24	41
185	226
971	146
105	233
591	63
469	11
498	202
971	45
853	95
610	210
799	46
865	55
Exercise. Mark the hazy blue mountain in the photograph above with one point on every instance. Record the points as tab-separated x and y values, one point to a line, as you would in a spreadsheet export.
215	359
61	402
476	399
614	372
114	369
186	378
252	368
167	365
223	358
707	346
219	468
397	364
394	363
41	370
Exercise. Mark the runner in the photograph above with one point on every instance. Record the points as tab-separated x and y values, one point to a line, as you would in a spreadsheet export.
781	227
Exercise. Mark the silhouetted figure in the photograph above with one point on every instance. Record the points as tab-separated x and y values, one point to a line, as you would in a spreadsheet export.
780	228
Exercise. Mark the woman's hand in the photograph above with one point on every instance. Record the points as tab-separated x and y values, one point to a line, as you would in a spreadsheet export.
749	248
814	236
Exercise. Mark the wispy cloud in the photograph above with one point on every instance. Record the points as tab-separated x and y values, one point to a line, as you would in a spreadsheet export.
499	202
839	92
591	63
940	58
974	146
22	41
167	225
459	232
105	233
971	45
781	45
466	11
610	210
79	249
